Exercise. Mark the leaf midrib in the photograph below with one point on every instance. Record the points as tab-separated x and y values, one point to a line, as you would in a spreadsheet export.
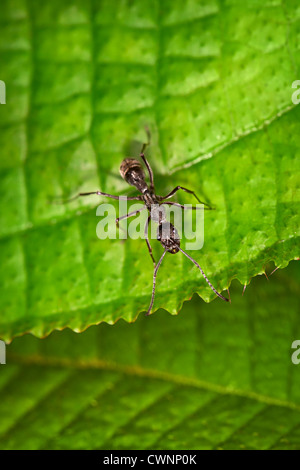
138	371
236	138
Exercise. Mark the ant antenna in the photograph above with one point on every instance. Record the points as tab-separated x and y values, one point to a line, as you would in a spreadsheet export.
154	282
202	272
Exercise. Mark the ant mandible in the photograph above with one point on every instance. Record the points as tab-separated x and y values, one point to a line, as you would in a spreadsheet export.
132	172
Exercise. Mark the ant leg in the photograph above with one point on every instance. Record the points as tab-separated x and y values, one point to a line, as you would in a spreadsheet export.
168	196
99	193
207	280
154	283
130	214
187	207
274	271
147	240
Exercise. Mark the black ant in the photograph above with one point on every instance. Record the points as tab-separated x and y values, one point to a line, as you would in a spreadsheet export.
132	172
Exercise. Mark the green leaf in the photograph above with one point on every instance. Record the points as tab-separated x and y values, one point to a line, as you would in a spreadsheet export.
204	379
212	80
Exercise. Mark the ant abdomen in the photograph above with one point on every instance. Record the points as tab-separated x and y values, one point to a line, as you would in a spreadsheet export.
168	236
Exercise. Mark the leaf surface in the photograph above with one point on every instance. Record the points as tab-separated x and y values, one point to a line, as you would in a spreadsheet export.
212	80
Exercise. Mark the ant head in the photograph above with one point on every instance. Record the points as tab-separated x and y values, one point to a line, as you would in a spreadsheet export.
132	171
168	237
130	167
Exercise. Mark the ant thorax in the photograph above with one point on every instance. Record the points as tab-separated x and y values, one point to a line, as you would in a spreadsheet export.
158	213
